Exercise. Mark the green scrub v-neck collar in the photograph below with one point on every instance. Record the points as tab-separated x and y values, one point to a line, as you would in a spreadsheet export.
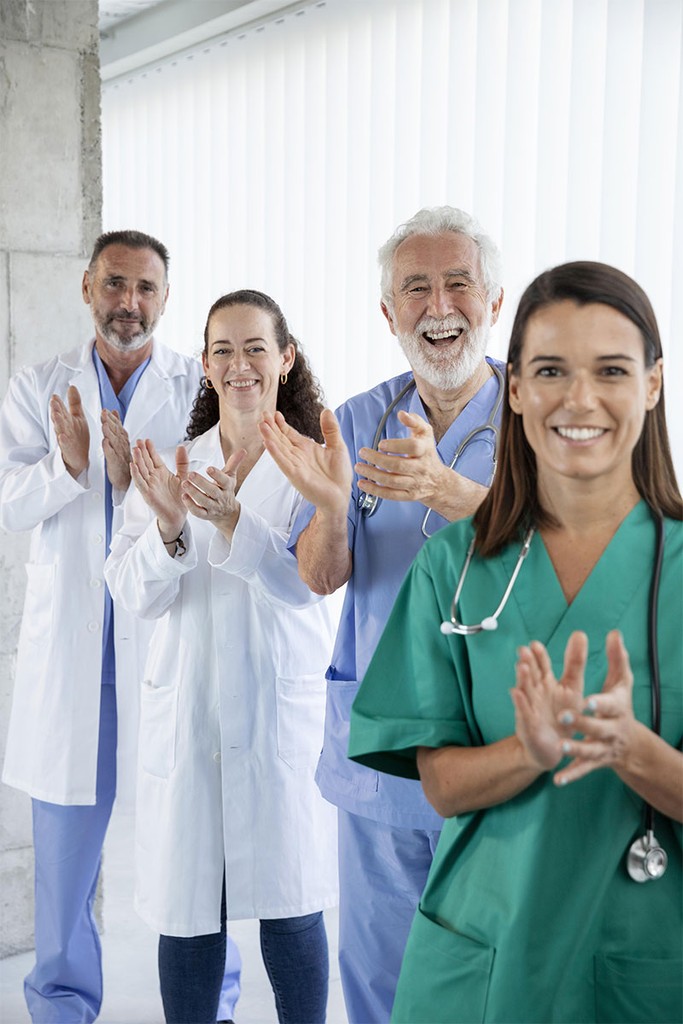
623	568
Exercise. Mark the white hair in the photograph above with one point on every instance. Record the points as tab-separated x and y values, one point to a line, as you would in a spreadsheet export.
438	220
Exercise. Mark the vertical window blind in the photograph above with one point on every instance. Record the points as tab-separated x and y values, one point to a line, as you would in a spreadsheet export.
280	157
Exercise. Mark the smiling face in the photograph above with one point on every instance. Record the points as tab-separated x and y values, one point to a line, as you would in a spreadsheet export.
583	390
440	312
126	292
243	361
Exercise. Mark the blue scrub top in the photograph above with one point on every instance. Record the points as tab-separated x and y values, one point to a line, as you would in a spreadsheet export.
110	400
383	547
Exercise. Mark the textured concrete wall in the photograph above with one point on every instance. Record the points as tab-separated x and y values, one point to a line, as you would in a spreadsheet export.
50	215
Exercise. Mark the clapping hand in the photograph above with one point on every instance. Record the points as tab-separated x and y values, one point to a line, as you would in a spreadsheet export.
214	499
546	707
71	429
321	473
161	488
116	448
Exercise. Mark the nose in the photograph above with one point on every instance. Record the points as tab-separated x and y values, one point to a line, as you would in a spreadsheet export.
240	362
580	394
440	302
131	299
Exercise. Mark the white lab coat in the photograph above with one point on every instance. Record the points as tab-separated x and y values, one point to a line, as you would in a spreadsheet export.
53	730
232	715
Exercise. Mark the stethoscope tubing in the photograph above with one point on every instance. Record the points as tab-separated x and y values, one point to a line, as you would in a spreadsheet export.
369	503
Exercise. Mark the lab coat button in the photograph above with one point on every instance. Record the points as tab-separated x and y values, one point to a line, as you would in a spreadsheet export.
97	538
95	582
92	627
217	757
96	495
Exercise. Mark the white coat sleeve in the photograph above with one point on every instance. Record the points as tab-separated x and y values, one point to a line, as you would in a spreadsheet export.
34	482
140	574
259	555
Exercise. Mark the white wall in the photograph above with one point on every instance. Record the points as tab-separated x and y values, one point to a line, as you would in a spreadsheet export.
281	158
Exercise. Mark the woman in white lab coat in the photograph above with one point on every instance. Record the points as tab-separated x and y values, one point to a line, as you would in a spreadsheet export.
230	821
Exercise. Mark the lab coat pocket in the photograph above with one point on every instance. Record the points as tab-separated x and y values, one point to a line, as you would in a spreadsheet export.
158	719
300	719
444	978
39	606
629	990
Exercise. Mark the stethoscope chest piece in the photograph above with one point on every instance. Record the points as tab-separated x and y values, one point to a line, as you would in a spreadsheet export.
646	861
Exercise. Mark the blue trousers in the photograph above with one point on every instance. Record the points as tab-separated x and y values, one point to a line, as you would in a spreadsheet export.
65	985
295	956
382	872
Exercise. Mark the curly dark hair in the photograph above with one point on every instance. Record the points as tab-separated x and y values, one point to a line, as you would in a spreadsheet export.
300	400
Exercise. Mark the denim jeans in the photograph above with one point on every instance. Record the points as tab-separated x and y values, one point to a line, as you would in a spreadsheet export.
294	951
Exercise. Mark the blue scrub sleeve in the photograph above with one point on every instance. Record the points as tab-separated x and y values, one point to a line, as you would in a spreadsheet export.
411	694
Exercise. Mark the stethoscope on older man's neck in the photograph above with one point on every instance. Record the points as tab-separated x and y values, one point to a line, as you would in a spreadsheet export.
646	861
369	503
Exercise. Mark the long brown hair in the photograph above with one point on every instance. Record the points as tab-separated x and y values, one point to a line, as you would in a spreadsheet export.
513	504
300	400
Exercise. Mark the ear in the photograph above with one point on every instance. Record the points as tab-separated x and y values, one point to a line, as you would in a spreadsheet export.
495	307
205	365
85	287
390	320
513	391
654	385
288	358
165	300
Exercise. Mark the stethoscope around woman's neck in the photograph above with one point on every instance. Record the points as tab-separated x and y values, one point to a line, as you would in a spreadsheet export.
646	861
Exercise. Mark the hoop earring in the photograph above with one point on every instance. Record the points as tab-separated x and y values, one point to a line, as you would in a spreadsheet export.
283	378
207	383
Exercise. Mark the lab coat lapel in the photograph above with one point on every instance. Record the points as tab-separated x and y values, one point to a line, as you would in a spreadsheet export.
84	377
152	392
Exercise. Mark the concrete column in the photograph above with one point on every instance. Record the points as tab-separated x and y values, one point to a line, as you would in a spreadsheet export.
50	215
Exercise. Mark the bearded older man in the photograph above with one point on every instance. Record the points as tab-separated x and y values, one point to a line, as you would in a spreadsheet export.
64	466
441	293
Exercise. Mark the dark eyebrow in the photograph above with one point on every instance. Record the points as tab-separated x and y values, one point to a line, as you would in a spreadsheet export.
115	278
601	359
247	341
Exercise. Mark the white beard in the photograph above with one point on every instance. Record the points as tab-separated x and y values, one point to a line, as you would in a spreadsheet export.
449	368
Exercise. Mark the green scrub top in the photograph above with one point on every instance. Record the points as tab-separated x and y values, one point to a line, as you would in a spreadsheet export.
529	914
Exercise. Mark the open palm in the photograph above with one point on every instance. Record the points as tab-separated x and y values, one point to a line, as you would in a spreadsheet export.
160	488
541	700
321	473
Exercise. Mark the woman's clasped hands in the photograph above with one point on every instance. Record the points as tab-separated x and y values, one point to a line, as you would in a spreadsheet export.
553	719
172	495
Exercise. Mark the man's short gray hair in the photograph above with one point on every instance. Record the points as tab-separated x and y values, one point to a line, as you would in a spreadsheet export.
438	220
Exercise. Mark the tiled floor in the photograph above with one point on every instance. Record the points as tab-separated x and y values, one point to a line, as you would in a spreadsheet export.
131	994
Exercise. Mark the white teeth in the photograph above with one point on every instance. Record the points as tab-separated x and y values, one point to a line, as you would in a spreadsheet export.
241	383
440	335
580	433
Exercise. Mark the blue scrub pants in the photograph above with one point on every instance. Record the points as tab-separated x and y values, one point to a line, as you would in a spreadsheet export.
65	985
382	872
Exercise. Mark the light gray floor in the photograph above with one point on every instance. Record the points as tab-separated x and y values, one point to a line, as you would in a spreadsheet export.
131	991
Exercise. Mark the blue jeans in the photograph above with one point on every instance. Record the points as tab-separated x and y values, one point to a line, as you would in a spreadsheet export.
294	951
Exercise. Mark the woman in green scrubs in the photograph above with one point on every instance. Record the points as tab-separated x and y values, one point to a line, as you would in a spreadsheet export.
535	740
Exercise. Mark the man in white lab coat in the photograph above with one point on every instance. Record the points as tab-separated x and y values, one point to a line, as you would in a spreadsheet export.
64	467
